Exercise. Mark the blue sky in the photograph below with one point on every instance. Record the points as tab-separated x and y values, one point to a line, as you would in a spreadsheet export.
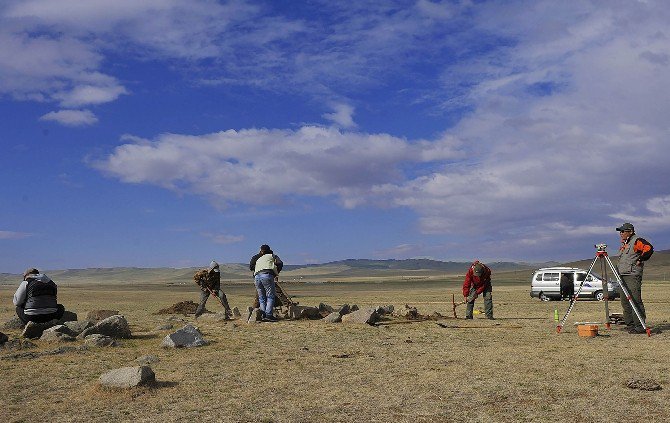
173	132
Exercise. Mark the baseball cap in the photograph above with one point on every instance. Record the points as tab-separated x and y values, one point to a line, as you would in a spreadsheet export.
626	227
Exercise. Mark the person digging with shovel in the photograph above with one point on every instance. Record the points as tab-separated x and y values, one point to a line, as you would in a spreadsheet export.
209	281
478	282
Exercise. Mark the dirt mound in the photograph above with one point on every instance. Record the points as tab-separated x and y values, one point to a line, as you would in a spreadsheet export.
184	307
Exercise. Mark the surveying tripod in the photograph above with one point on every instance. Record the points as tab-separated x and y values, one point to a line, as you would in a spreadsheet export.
601	255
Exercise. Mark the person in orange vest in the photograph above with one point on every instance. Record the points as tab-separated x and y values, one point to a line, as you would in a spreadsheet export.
478	282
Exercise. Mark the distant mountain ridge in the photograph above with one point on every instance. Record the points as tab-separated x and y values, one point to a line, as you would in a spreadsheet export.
658	268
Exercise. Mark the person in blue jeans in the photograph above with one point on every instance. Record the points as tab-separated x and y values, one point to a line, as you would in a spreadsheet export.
266	267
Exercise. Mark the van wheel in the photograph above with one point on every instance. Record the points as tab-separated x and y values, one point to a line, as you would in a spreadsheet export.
543	297
599	296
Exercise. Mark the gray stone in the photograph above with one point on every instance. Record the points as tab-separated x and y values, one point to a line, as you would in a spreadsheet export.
255	315
353	308
344	309
78	327
188	336
145	360
325	309
13	323
97	340
58	333
643	384
3	338
333	317
34	330
236	313
365	315
388	309
114	326
407	312
303	312
128	377
98	315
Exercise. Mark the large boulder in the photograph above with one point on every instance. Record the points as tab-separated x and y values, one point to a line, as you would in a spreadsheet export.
98	315
365	315
325	309
387	309
128	377
114	326
344	309
188	336
3	338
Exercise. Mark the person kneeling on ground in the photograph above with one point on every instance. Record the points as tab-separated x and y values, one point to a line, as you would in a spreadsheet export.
36	298
209	281
478	281
266	267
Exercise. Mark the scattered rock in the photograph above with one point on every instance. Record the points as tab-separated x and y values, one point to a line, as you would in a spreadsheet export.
333	317
145	360
78	327
406	311
353	308
325	309
188	336
344	309
643	384
128	377
236	313
3	338
97	340
114	326
34	330
303	312
166	326
13	323
98	315
255	315
388	309
366	315
58	333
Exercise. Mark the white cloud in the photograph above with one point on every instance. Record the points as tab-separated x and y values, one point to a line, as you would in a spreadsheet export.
270	166
342	116
71	117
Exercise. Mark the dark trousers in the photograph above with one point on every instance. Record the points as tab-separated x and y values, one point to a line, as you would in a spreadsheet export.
39	318
204	295
488	302
634	285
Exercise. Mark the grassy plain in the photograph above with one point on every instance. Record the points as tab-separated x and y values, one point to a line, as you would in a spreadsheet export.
516	368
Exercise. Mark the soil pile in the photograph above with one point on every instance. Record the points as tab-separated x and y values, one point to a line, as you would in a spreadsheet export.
184	307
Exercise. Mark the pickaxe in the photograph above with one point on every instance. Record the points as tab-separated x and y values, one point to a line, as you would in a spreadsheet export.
454	304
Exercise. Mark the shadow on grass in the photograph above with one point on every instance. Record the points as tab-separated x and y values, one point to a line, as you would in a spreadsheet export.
147	336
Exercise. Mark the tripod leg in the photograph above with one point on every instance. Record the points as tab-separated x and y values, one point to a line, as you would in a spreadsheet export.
603	272
574	299
624	289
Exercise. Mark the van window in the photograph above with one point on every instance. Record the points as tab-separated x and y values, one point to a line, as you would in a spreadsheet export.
538	277
580	276
550	276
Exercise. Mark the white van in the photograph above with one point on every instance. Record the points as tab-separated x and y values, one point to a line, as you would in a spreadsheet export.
546	284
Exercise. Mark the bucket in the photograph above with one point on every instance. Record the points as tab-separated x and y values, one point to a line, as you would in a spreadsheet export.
587	331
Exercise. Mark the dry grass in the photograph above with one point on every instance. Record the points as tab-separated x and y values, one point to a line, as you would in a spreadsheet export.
308	371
